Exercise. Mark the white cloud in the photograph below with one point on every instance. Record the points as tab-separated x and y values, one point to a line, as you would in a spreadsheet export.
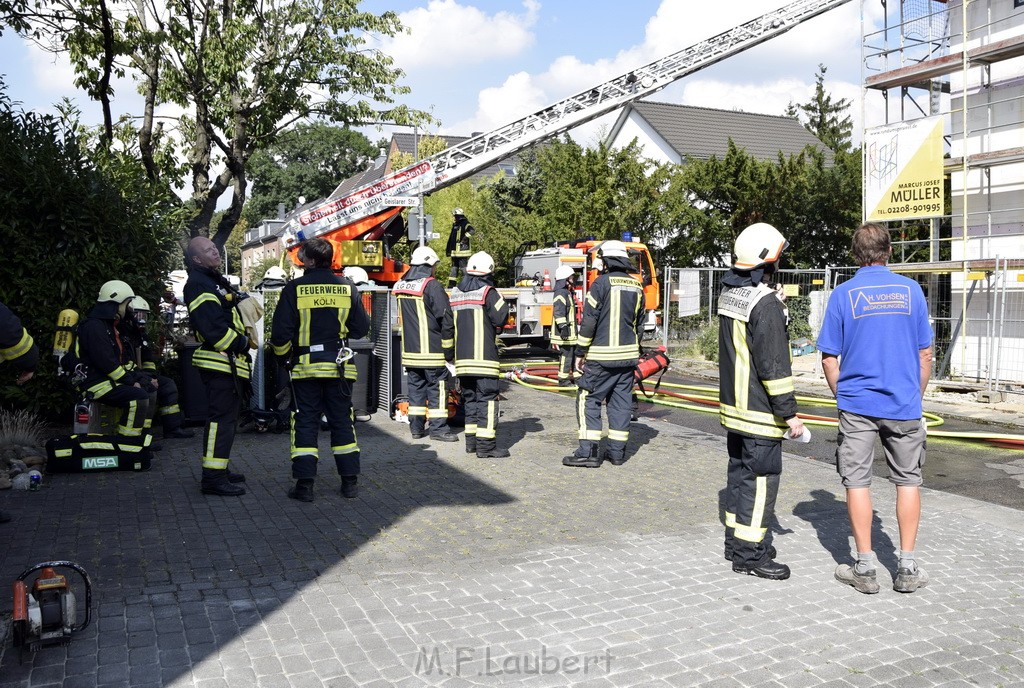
447	34
763	79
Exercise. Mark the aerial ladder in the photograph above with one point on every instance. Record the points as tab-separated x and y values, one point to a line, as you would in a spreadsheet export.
369	213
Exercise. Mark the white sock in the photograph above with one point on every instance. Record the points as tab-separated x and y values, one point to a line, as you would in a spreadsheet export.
865	562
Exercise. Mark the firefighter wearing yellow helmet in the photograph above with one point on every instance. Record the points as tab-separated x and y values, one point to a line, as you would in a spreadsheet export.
757	402
477	315
109	376
423	304
609	344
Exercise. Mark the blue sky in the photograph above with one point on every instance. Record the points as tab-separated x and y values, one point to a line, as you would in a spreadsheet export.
478	64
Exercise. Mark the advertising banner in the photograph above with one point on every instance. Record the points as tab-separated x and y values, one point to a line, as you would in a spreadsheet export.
903	175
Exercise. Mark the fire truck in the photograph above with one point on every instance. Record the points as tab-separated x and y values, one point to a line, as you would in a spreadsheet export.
530	299
366	222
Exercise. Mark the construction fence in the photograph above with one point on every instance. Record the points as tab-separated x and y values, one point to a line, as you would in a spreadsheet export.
976	309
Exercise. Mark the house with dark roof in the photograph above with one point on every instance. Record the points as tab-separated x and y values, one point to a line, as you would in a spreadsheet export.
667	133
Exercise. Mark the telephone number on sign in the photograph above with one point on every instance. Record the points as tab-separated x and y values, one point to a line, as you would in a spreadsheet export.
920	208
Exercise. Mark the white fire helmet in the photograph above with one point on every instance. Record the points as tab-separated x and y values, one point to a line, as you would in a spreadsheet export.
612	249
480	264
424	255
140	305
563	272
275	272
115	291
757	245
356	274
457	212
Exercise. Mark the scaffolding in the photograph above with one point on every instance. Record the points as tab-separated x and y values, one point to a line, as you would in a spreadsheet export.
962	60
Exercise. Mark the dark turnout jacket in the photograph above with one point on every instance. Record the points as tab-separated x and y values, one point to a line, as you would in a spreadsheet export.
315	314
217	323
16	344
423	304
613	318
478	313
102	349
755	370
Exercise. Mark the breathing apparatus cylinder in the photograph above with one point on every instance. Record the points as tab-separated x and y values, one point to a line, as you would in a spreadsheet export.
62	338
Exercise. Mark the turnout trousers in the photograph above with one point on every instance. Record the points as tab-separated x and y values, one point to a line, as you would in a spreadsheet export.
612	386
316	397
481	397
566	358
755	465
167	404
224	401
428	408
134	404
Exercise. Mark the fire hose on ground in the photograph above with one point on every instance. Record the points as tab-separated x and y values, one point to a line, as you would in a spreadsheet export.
704	399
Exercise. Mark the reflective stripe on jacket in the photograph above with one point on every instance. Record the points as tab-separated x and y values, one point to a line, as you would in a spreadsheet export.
423	304
218	326
612	318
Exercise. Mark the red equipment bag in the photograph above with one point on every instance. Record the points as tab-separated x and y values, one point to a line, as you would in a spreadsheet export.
652	362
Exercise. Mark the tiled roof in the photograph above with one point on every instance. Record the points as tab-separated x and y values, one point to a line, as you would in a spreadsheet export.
702	132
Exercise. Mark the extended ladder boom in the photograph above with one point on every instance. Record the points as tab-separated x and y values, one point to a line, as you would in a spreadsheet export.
461	161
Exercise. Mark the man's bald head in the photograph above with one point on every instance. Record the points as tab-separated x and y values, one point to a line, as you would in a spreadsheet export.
202	252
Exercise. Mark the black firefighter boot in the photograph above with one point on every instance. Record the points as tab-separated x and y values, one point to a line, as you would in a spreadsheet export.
580	460
350	486
470	444
418	427
215	482
303	490
235	477
487	448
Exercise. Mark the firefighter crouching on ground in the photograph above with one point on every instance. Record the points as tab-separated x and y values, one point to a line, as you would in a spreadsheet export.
477	314
17	347
102	350
222	360
134	328
757	403
315	316
423	304
457	248
608	351
564	321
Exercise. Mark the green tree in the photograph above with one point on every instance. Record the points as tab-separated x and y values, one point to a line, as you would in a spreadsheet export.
827	119
242	72
308	160
72	216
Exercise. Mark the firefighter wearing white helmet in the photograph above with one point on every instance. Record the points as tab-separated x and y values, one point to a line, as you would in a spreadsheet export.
609	343
165	406
477	315
457	248
563	332
357	275
423	304
111	378
757	404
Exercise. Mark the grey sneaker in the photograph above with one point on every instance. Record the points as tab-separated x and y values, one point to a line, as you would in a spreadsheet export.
862	582
907	581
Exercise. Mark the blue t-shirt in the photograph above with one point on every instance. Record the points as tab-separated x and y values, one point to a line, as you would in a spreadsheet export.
876	323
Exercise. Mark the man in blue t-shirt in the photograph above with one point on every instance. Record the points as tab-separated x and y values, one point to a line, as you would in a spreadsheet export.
876	352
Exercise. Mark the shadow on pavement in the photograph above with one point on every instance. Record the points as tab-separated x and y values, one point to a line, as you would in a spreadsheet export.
829	517
178	575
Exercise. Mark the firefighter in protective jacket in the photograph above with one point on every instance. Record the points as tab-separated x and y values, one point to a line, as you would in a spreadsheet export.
477	314
609	343
133	327
222	360
102	351
17	347
457	248
315	316
423	304
563	331
757	403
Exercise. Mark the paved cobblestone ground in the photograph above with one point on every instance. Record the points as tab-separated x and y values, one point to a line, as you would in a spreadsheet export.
454	571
